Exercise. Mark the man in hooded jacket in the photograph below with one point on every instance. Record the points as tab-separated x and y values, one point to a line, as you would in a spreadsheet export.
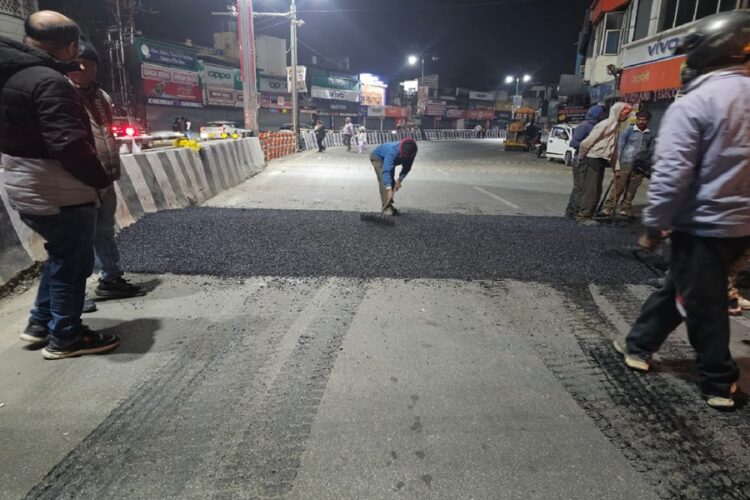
595	114
52	175
599	151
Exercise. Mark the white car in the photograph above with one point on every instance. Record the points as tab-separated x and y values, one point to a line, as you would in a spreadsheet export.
558	144
221	130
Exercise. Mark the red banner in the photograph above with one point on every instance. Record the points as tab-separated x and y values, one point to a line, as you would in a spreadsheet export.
480	114
171	87
654	76
396	112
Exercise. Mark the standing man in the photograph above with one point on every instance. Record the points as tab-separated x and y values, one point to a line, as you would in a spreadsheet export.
348	132
320	135
599	151
99	108
384	160
595	114
699	192
51	176
636	141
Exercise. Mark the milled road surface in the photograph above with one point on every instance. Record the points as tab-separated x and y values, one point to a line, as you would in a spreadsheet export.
288	350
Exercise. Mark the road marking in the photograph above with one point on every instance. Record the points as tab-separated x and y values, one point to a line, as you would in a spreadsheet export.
609	311
441	171
498	198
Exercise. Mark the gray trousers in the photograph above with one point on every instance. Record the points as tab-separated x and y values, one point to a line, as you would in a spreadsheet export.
592	186
627	186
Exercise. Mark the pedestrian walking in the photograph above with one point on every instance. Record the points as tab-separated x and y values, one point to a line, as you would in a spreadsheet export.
362	140
186	126
385	158
699	192
99	108
320	135
51	176
347	133
595	114
599	151
634	141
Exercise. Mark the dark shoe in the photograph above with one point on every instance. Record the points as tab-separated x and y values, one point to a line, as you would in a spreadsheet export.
117	289
89	343
734	307
632	361
35	333
396	211
89	305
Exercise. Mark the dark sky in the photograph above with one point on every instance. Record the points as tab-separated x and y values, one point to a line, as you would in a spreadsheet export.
478	41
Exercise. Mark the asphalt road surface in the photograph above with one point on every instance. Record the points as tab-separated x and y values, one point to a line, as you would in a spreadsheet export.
289	350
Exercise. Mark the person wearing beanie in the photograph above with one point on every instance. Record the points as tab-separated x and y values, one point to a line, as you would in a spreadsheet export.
99	107
384	160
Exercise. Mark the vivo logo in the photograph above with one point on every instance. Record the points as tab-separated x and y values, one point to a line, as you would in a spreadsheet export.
665	47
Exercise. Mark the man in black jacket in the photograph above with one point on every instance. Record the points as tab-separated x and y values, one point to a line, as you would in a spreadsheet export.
52	176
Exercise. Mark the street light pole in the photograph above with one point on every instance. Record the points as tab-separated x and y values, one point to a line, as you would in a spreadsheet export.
247	55
295	93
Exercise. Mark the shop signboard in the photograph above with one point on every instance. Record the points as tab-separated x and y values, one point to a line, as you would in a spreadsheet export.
455	114
272	85
504	116
435	107
217	76
396	112
503	106
334	94
171	87
319	79
274	102
376	112
372	95
149	51
480	114
429	81
481	96
571	114
654	76
219	96
653	49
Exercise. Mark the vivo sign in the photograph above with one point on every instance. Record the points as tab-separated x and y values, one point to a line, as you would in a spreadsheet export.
650	50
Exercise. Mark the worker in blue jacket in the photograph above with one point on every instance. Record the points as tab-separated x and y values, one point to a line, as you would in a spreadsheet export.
595	114
384	160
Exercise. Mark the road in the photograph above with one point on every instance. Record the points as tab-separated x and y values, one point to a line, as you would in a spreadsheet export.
288	350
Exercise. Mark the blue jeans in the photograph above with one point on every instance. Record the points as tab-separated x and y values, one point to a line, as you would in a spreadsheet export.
69	243
107	254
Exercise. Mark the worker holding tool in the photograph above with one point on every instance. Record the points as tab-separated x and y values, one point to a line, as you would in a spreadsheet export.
384	159
699	192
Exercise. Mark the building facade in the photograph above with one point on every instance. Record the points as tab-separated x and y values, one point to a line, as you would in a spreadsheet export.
12	14
630	48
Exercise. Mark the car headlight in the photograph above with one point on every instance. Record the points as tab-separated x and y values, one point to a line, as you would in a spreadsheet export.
204	135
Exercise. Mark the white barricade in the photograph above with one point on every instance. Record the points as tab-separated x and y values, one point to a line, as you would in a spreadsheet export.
335	138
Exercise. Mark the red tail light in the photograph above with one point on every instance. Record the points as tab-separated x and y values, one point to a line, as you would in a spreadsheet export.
131	131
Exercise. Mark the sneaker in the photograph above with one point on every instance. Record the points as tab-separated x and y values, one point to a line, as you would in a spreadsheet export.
625	213
89	305
632	361
722	402
89	343
734	307
117	289
35	333
587	221
743	303
606	212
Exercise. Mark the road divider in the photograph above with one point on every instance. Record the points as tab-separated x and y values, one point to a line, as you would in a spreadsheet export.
151	181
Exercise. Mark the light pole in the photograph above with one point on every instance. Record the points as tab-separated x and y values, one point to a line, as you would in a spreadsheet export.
413	59
510	78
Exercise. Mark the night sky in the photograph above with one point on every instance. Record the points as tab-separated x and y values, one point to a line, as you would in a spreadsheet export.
478	41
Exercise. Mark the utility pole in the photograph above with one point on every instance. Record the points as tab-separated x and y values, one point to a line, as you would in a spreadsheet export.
247	63
295	93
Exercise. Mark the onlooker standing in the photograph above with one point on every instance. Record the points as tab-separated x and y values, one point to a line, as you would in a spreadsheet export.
320	135
51	176
99	107
362	140
699	192
347	133
634	141
599	151
596	114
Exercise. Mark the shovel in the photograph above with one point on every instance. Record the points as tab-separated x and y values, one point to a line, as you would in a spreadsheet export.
379	218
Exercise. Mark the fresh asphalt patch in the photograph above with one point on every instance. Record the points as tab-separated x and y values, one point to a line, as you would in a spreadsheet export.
290	243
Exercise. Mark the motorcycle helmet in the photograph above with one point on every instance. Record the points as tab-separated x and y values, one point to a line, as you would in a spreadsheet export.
714	42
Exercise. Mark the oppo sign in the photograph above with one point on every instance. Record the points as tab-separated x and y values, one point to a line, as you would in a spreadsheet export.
216	76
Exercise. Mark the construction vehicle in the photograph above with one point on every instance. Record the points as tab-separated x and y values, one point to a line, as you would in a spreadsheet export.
516	139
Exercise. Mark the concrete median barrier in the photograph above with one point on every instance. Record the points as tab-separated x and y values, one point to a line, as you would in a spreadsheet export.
151	181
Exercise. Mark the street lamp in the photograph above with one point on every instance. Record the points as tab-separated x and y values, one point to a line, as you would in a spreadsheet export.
517	78
414	59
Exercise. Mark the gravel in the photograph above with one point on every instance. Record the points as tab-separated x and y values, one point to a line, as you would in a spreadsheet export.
289	243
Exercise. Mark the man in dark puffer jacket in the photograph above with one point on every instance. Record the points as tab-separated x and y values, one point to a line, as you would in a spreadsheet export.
51	175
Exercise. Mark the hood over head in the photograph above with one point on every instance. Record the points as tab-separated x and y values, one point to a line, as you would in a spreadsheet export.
596	112
614	113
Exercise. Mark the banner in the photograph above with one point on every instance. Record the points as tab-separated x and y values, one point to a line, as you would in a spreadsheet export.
480	114
220	96
372	95
435	107
422	95
376	112
334	94
455	114
323	79
571	114
217	76
301	79
275	102
503	106
396	112
430	81
171	55
171	87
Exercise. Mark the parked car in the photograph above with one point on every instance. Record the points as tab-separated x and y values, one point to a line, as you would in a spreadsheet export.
558	144
164	138
222	130
129	126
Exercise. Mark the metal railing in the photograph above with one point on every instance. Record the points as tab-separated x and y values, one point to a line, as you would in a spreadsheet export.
335	138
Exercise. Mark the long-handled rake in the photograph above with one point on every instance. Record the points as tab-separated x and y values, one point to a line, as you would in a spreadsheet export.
379	218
